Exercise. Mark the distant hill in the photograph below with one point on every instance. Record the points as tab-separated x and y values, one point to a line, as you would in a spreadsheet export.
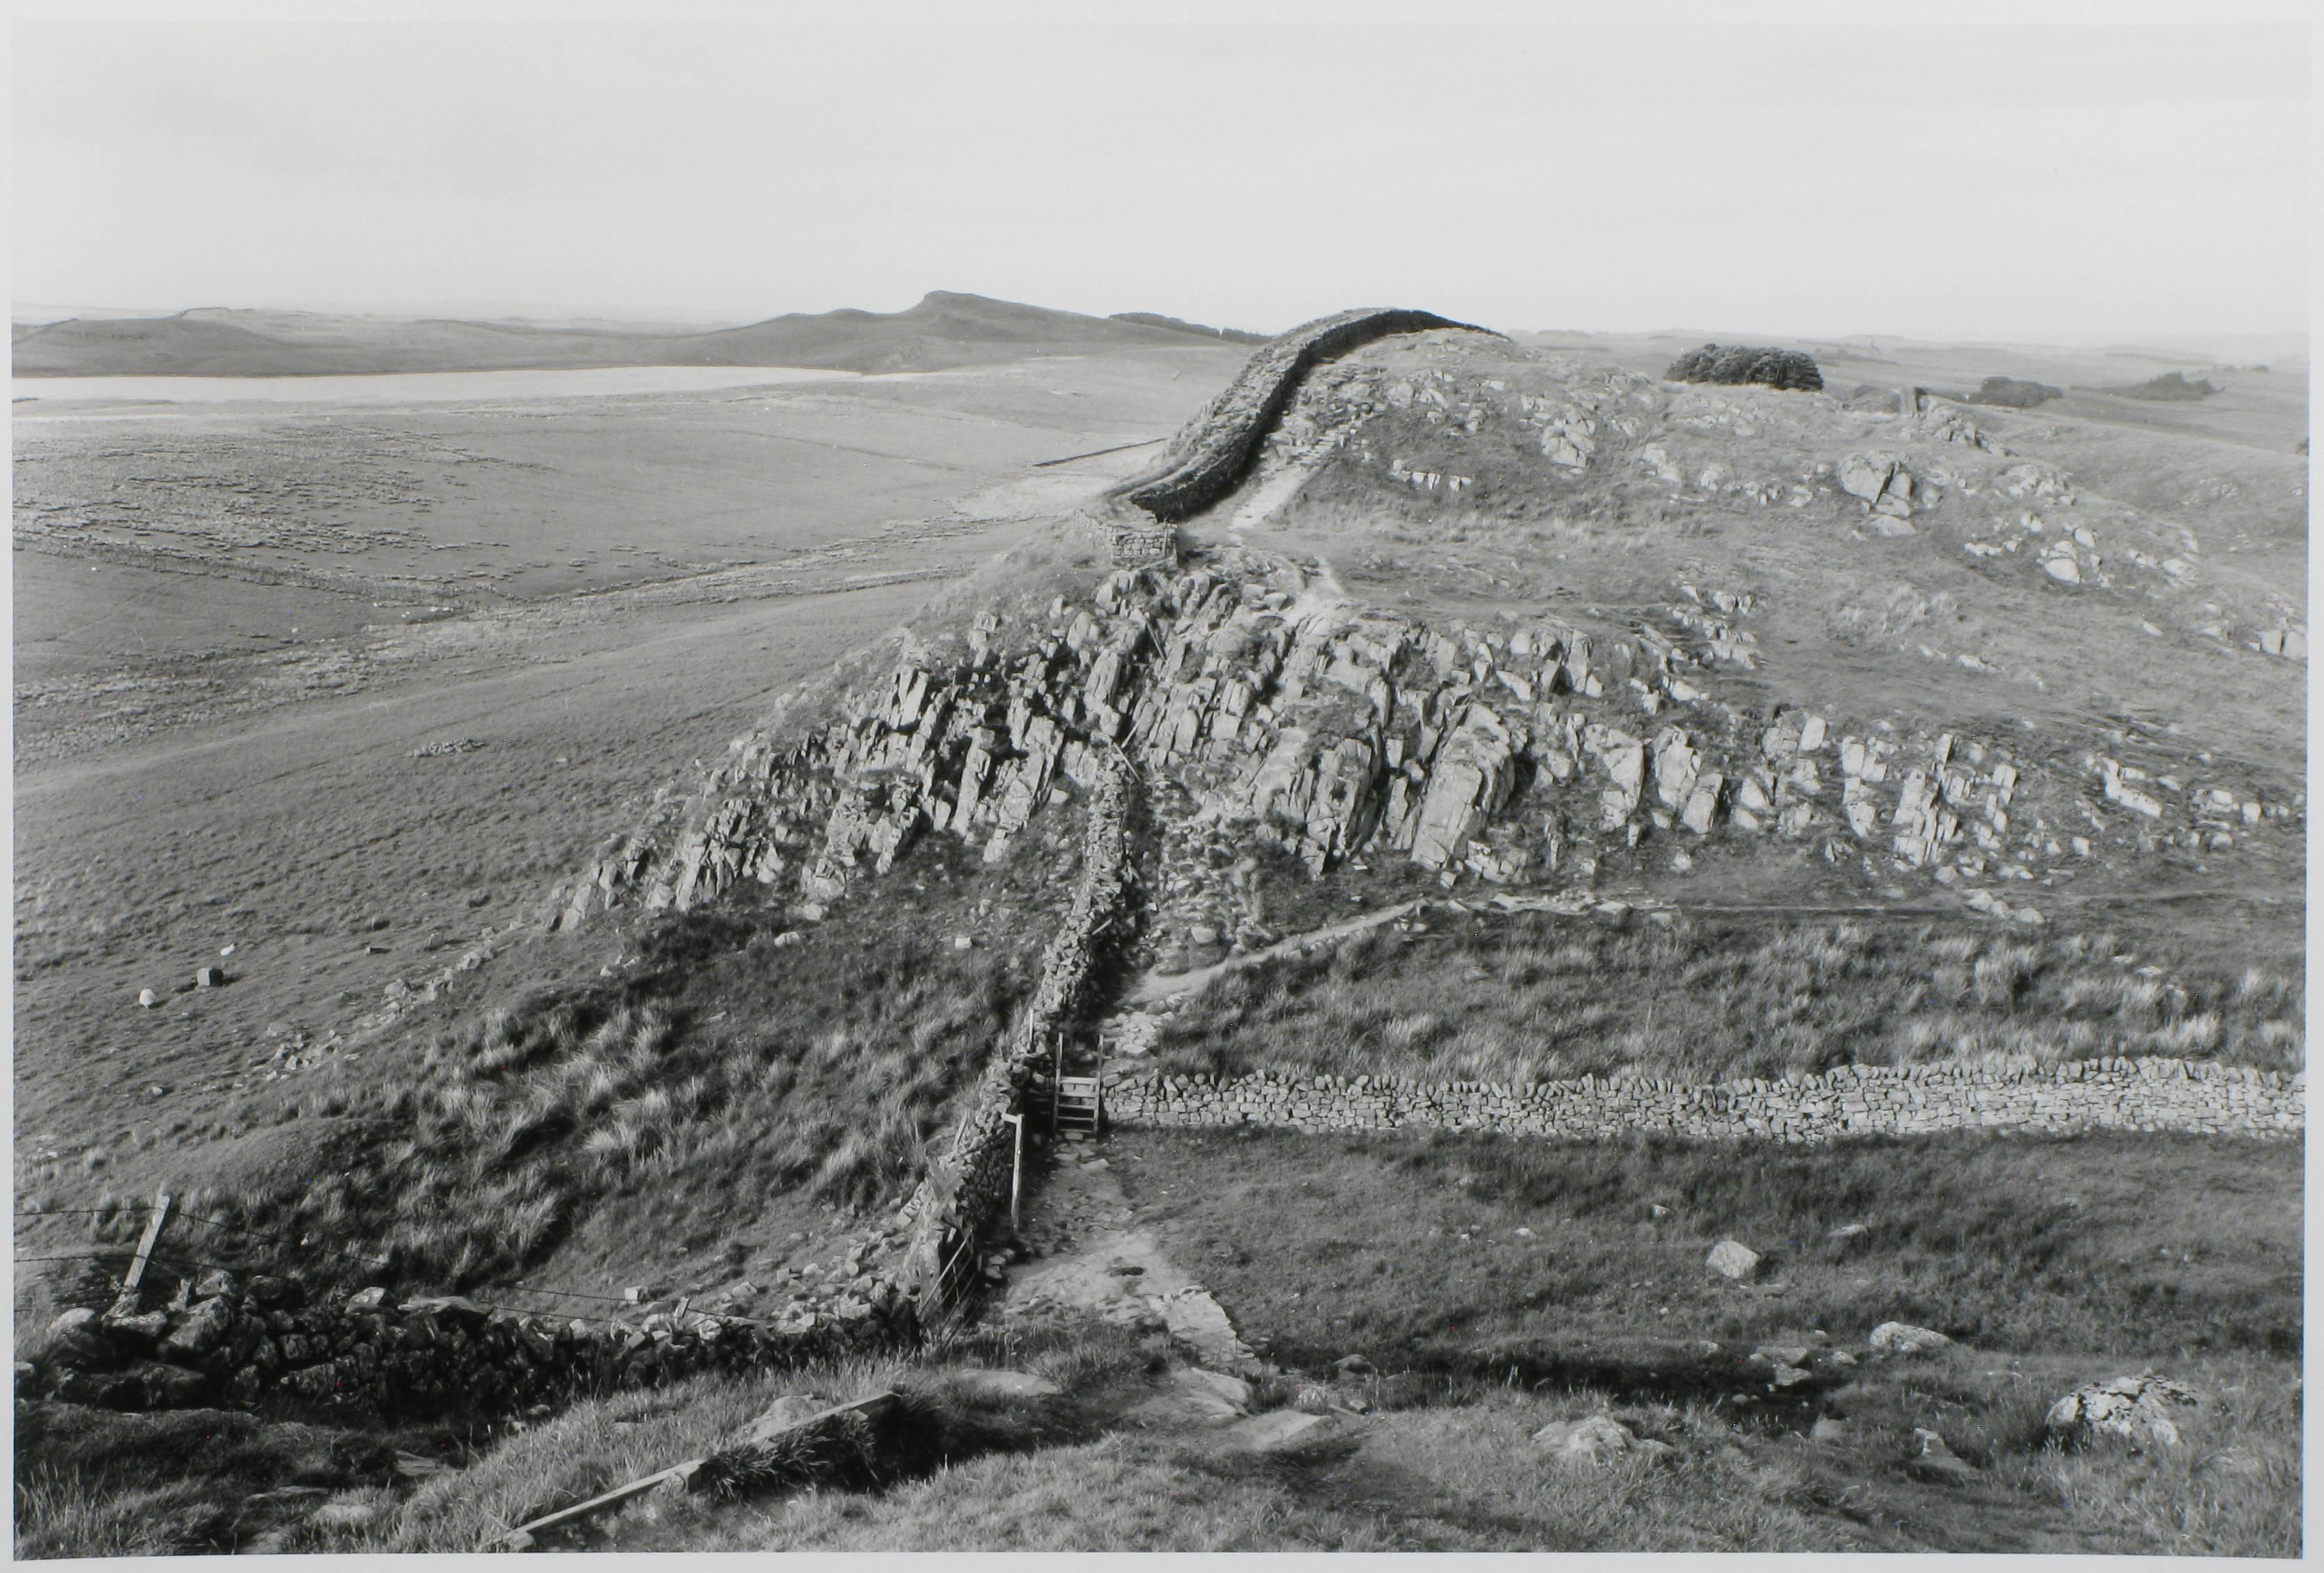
944	329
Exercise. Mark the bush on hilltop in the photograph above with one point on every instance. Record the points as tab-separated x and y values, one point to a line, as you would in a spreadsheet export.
1743	363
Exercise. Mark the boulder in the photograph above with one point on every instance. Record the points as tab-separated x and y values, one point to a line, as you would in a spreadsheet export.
78	1341
142	1332
1468	784
199	1330
1734	1260
1232	1391
1598	1441
1881	480
2132	1409
1278	1431
1903	1338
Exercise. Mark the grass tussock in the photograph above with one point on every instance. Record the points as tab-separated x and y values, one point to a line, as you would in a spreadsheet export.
90	1482
1540	998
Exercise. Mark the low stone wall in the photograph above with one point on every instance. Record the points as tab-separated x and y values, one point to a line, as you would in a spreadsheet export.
968	1187
244	1342
1209	456
2144	1095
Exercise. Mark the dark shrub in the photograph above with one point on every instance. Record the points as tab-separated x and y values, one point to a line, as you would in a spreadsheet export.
2167	387
1743	363
2015	393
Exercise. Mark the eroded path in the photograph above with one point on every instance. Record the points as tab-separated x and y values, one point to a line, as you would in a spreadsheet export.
1098	1262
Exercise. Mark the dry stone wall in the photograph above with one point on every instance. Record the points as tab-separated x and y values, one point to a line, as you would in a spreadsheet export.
1210	455
967	1188
2143	1095
247	1342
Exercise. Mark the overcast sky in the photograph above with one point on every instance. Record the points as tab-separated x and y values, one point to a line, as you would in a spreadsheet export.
2056	183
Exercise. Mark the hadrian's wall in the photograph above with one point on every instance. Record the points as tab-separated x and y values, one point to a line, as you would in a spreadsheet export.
2144	1095
1209	456
967	1188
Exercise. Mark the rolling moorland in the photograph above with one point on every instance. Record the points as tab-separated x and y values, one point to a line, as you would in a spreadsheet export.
1865	825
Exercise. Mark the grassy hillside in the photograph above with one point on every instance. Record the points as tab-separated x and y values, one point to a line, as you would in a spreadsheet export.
1532	997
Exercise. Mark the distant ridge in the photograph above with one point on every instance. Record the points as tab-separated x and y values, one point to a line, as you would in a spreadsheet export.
1180	325
943	330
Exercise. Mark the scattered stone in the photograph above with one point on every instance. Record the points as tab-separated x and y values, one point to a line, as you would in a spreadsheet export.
2132	1409
210	978
1903	1338
1939	1462
1012	1387
1733	1259
148	998
1278	1431
1598	1441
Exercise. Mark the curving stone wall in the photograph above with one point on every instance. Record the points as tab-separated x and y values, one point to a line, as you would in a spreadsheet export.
1209	456
2143	1095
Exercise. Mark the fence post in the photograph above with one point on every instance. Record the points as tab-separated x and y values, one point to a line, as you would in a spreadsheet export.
1016	1168
145	1245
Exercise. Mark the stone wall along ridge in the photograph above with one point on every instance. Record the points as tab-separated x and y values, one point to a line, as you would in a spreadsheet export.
2143	1095
1207	458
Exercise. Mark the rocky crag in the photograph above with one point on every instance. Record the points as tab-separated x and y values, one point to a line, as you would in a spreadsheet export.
1545	755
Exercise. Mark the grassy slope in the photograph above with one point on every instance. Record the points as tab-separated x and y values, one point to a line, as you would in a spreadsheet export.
2054	1263
1532	997
2133	1247
719	1091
